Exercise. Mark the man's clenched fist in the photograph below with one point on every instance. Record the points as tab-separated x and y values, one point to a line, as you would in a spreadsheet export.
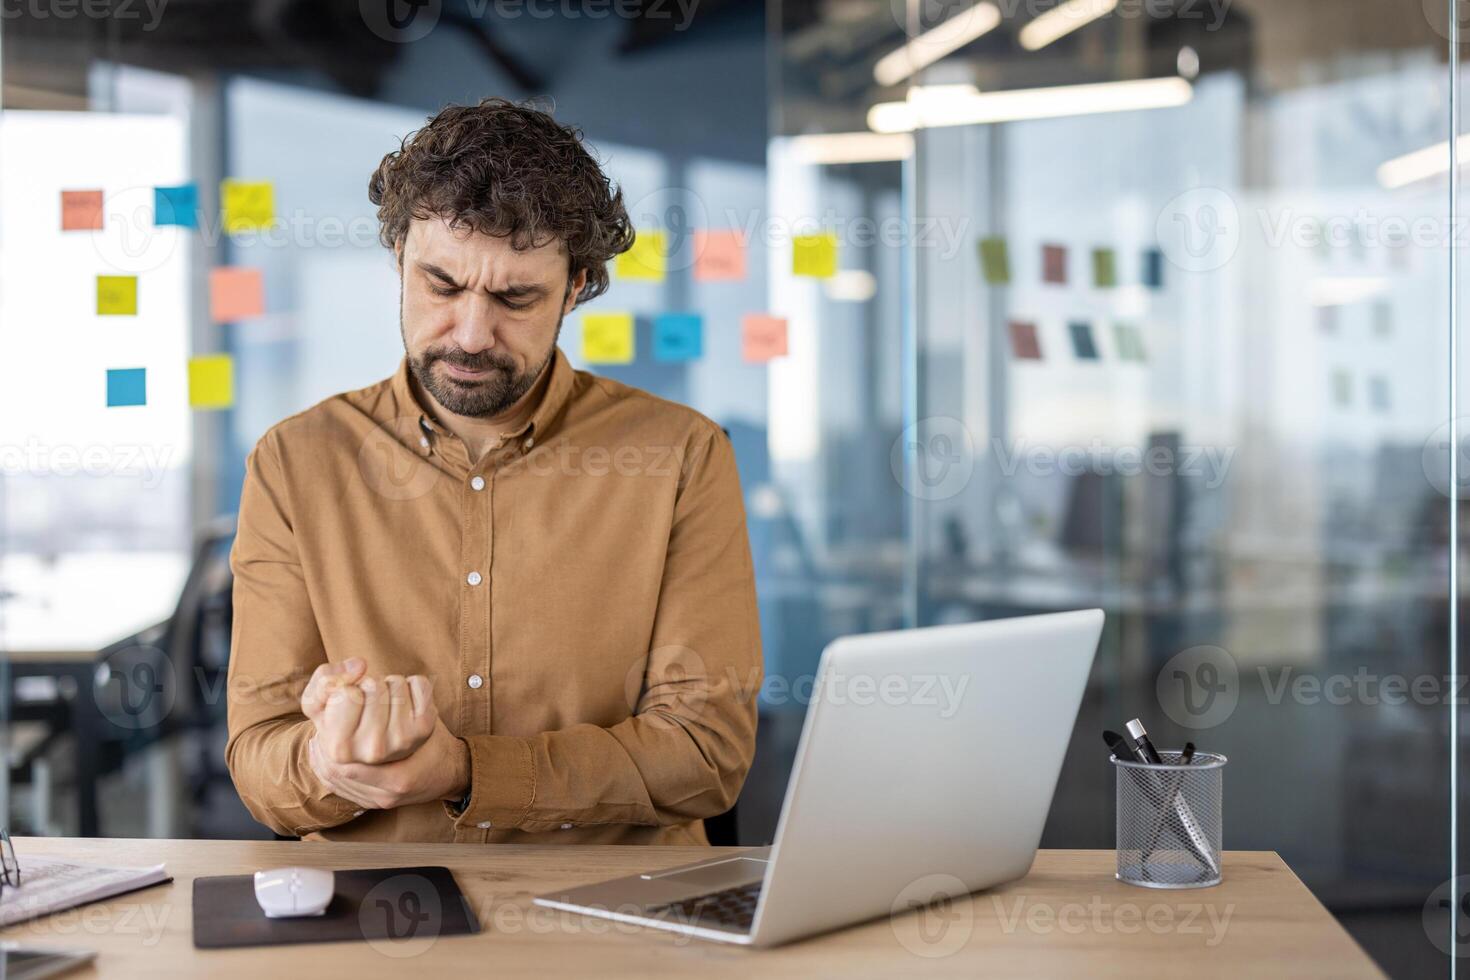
366	719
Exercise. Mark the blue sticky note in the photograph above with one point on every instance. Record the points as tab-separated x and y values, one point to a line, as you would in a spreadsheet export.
1082	343
176	206
1153	269
678	337
127	386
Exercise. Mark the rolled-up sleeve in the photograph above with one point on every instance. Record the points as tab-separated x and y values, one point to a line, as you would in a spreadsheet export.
685	751
275	646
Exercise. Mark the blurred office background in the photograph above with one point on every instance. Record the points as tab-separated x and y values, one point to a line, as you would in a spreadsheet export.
1177	344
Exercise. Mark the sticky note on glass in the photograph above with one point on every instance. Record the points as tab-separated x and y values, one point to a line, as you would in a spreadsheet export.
1129	342
236	292
211	381
81	210
995	261
646	260
1378	393
247	204
678	337
762	337
117	295
719	256
176	206
814	255
1153	268
127	386
1025	341
1104	268
607	338
1054	264
1082	342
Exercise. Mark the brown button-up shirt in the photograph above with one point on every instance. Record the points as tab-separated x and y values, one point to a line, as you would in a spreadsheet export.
582	598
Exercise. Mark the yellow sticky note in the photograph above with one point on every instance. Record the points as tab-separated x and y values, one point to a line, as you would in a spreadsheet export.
211	381
117	295
247	204
646	259
814	255
607	338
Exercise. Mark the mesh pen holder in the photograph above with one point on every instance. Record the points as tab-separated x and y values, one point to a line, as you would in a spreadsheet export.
1169	821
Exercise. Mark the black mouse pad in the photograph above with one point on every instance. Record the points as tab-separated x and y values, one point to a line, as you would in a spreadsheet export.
401	907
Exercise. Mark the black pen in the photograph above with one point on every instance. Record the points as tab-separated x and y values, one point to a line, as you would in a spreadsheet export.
1187	756
1145	748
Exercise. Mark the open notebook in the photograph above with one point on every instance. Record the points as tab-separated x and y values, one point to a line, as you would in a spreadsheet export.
48	885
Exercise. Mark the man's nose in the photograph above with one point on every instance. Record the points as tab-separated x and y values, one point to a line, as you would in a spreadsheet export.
475	326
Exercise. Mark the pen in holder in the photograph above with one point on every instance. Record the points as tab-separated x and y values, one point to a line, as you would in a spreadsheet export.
1169	821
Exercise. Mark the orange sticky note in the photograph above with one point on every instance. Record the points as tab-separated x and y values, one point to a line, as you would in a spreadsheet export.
607	338
762	337
81	210
235	293
211	381
719	255
814	255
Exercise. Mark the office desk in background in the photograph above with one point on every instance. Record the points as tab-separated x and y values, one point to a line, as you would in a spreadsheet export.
1068	918
59	619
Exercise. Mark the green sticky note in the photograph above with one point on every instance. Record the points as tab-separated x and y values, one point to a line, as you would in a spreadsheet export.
995	260
117	295
1128	342
1104	268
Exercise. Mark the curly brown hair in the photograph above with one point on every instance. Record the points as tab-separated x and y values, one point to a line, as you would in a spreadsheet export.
510	171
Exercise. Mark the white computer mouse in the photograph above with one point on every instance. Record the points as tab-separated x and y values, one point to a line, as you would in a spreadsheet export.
288	892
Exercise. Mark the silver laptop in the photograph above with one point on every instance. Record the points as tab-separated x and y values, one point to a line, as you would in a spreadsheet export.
925	752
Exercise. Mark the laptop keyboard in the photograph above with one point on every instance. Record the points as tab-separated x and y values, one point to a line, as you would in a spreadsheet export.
730	907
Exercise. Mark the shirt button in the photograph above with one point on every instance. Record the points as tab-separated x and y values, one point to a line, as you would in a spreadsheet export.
566	826
357	813
530	442
473	578
424	441
483	825
478	483
475	681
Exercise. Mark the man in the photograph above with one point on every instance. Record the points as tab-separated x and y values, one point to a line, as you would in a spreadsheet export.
493	598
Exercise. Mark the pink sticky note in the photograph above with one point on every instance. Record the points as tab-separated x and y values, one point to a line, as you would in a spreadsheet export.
719	255
81	210
235	293
762	337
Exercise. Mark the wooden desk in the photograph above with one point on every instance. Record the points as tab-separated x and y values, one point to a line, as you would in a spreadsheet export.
1068	918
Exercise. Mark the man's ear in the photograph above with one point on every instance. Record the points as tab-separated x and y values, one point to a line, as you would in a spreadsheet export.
398	253
578	283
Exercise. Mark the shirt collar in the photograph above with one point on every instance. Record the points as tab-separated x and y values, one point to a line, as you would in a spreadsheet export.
543	420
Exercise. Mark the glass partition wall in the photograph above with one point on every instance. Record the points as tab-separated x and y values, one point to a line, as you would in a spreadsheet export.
1177	347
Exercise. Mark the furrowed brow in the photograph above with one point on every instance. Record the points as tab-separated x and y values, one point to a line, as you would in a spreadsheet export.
438	273
520	290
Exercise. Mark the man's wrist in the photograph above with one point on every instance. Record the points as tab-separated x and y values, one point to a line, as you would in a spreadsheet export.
463	781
